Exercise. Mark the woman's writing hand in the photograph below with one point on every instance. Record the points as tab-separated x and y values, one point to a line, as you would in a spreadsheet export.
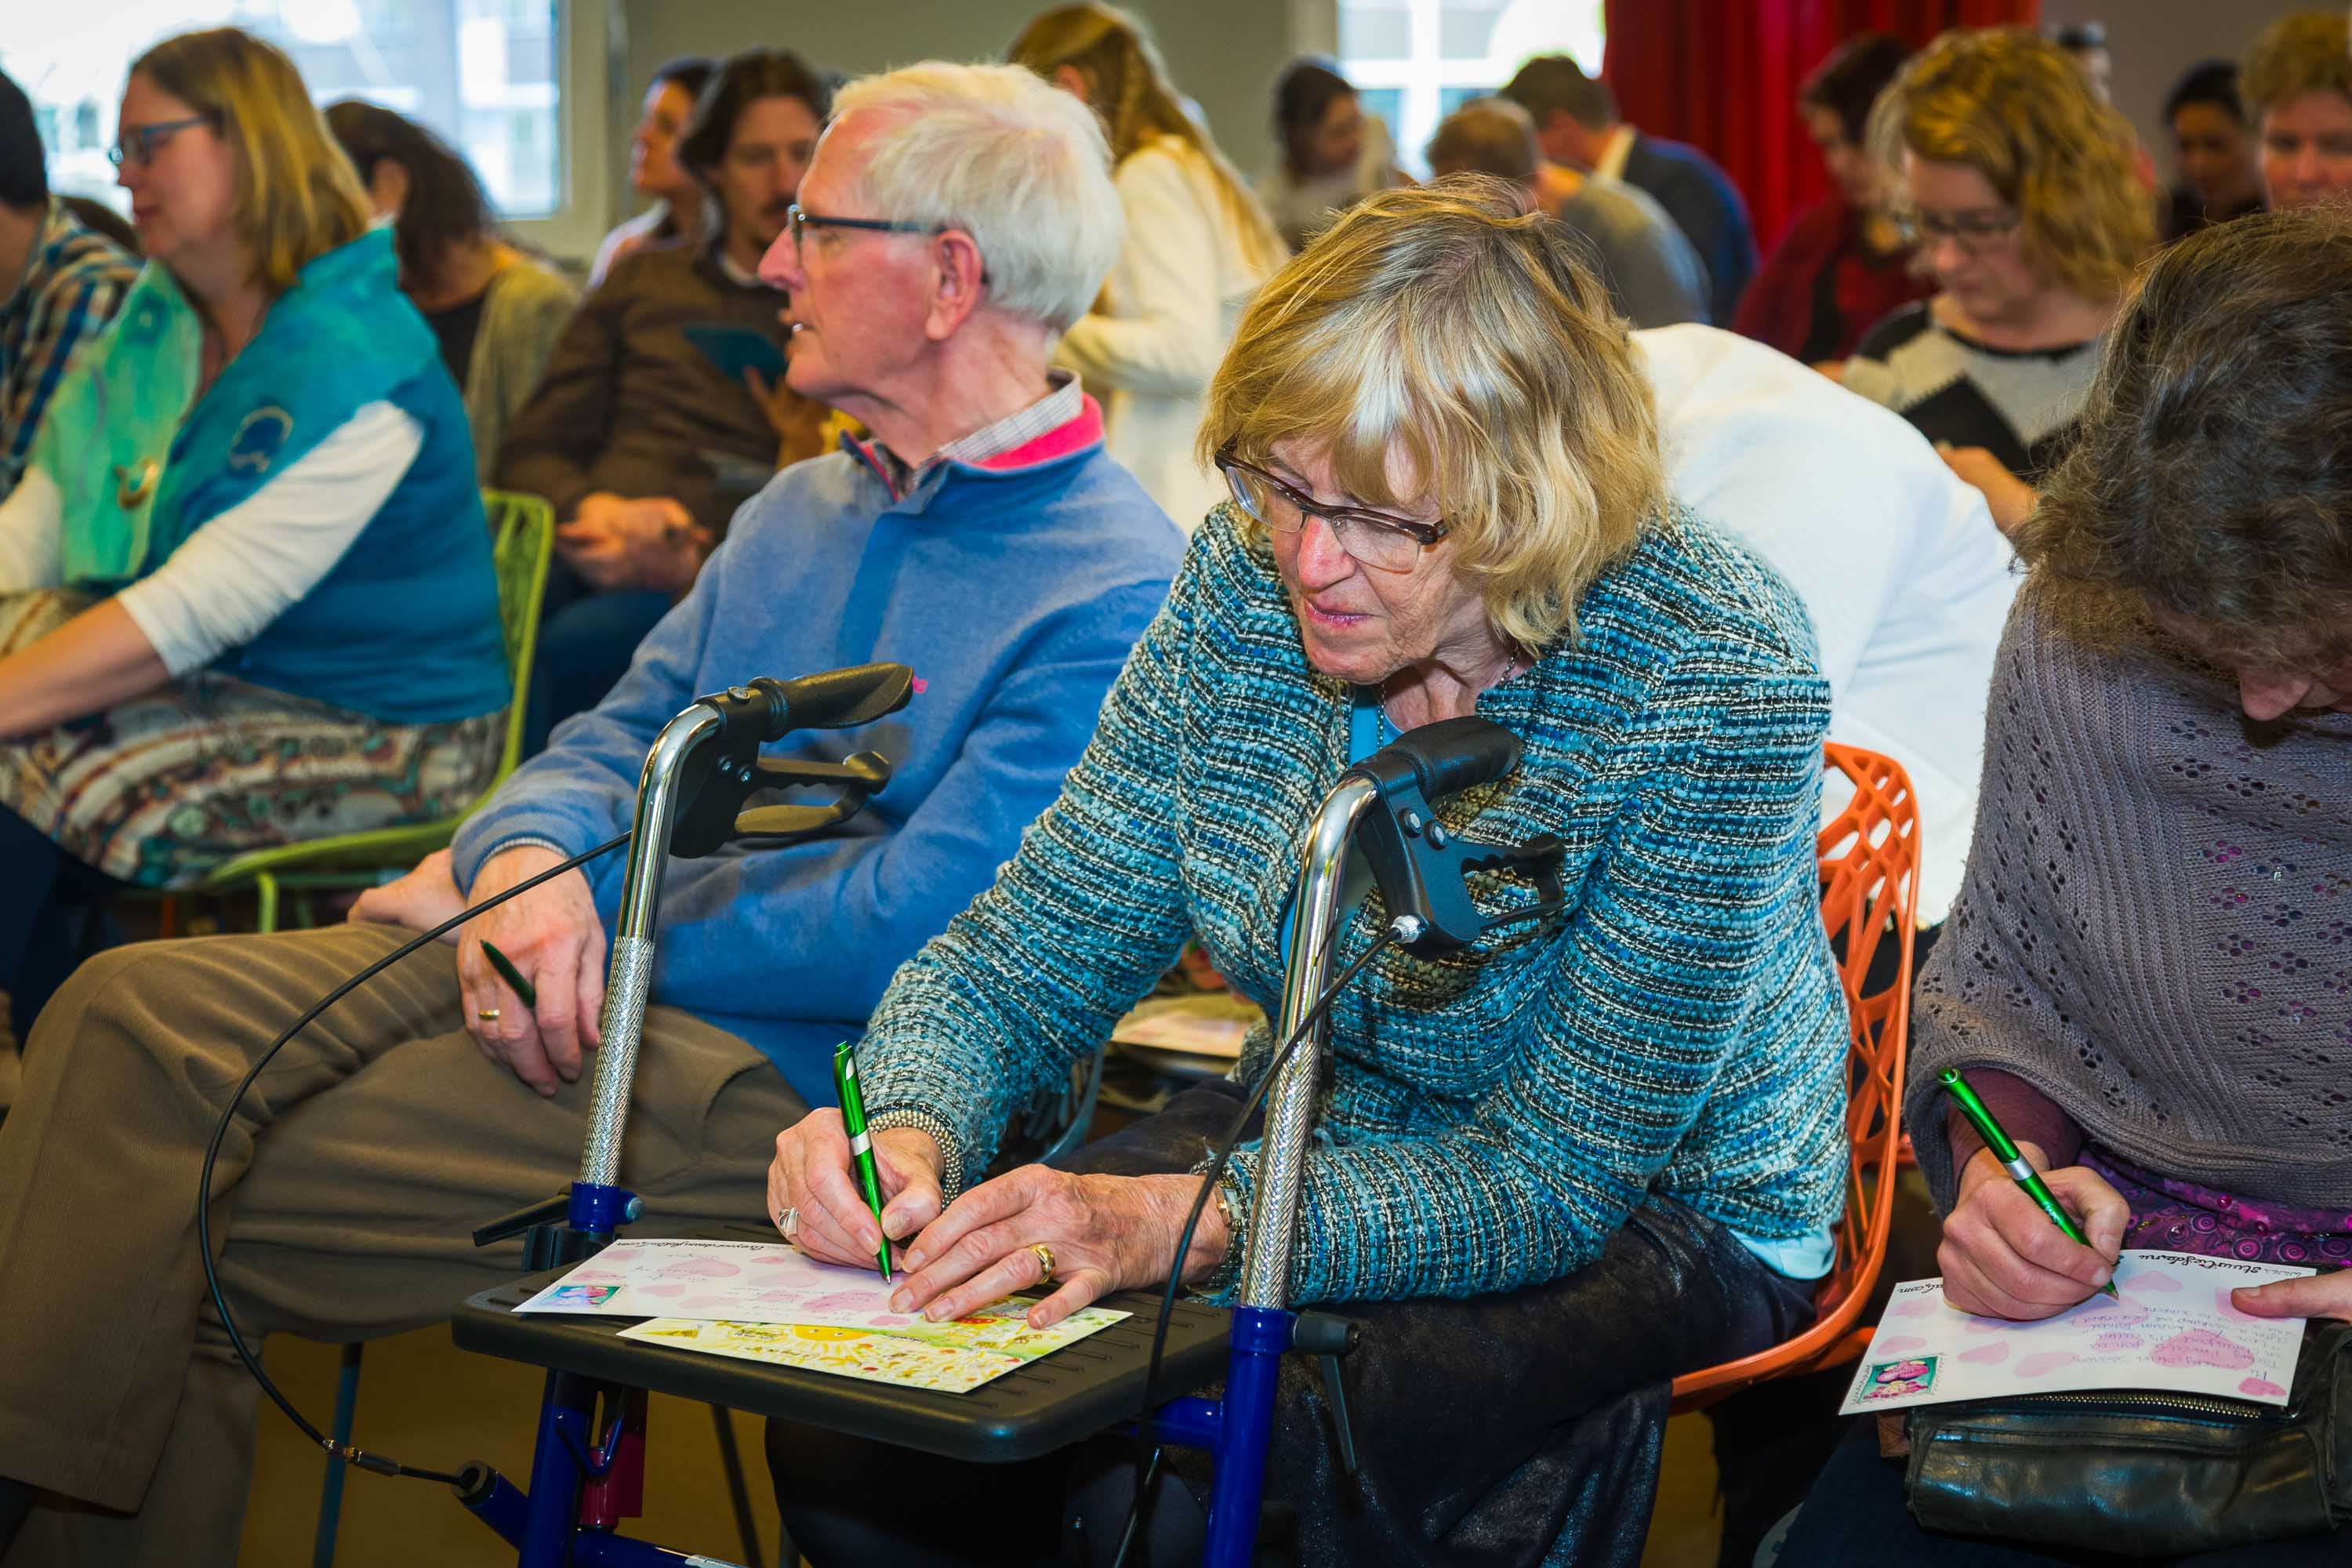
1106	1232
2321	1296
811	1172
2001	1256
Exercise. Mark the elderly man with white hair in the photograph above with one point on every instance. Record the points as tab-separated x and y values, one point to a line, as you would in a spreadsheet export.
956	219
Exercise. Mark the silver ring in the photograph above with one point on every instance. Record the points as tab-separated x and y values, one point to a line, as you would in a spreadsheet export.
789	1222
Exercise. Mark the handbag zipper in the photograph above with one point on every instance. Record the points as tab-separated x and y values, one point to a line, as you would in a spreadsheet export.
2169	1404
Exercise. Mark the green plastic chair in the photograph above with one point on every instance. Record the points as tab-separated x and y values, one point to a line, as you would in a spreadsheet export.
523	538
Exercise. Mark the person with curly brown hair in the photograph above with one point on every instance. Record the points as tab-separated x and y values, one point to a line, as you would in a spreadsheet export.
2145	974
2024	193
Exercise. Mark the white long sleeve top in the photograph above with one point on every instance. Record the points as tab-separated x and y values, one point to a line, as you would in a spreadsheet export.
1906	579
243	569
1169	309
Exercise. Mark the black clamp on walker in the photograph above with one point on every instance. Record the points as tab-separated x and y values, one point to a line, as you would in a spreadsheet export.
587	1473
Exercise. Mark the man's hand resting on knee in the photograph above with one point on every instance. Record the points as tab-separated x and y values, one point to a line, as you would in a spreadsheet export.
552	934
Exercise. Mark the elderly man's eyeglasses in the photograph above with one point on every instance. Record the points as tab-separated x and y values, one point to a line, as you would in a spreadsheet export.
138	144
800	219
1377	539
1974	232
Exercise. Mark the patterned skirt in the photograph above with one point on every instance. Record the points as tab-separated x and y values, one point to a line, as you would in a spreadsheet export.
159	789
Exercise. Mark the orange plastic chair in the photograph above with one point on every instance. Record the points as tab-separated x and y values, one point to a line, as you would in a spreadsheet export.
1870	863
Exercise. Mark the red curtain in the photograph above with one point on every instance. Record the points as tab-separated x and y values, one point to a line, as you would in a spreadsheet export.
1723	76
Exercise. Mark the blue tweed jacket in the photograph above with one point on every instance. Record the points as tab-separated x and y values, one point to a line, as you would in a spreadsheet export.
1496	1114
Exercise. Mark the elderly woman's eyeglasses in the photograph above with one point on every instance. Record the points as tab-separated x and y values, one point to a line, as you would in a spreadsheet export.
1377	539
1974	232
138	144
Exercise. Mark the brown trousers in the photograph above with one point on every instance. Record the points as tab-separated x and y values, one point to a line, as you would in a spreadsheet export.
342	1202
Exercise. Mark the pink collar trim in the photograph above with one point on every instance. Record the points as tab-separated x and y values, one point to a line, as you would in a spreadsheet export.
1074	435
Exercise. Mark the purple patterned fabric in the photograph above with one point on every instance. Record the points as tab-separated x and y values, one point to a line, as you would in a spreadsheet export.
2182	1216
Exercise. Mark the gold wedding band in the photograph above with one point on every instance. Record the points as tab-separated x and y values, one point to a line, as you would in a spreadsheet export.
1045	1258
487	1014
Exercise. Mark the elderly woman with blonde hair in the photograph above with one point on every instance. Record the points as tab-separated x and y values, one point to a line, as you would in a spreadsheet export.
1552	1170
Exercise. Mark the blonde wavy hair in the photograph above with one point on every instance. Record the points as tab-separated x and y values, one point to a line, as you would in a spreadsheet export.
298	195
1129	87
2302	52
2011	105
1448	326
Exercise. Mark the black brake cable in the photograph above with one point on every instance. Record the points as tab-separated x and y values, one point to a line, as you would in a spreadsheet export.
346	1452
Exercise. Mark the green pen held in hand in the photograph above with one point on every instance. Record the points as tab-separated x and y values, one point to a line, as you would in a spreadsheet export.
2004	1149
861	1147
511	976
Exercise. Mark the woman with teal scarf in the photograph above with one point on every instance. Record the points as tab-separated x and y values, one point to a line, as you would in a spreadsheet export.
246	588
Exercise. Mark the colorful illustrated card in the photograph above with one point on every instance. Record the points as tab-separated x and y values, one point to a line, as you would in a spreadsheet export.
2170	1329
742	1281
953	1357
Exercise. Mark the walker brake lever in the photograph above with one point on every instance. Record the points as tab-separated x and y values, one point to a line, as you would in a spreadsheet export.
1326	1339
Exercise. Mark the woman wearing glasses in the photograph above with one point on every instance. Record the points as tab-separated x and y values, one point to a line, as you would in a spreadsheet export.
1581	1156
2025	192
246	591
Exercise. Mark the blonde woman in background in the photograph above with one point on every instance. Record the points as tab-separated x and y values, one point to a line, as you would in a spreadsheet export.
1198	246
2022	189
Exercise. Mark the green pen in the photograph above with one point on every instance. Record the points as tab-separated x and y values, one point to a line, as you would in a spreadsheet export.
2005	1151
861	1147
511	976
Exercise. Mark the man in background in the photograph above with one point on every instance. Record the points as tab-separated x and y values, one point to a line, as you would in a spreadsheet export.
642	437
60	282
1653	276
2297	85
1577	124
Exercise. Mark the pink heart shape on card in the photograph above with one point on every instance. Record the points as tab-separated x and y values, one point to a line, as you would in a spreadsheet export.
664	1290
2257	1387
2202	1347
1889	1344
2044	1361
1991	1354
1911	1307
2147	1282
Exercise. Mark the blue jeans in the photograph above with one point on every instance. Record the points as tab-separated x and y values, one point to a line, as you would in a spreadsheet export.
584	648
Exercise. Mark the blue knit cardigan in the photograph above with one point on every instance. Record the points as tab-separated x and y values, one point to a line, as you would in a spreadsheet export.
1496	1114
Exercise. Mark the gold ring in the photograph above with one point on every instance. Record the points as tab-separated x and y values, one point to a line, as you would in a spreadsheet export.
1045	1258
487	1014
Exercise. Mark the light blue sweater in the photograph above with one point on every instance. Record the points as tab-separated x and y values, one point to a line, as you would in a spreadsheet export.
1016	593
1496	1114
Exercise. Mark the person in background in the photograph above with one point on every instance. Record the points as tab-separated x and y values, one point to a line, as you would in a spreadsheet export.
2215	149
1198	246
654	173
983	536
2145	974
2022	187
642	441
60	283
1332	154
2297	85
246	593
2086	42
1577	124
1652	275
1844	265
495	311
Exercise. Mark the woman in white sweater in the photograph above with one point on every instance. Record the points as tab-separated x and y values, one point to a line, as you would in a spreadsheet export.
1198	246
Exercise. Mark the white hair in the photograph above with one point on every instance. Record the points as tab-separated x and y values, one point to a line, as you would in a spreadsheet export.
1012	161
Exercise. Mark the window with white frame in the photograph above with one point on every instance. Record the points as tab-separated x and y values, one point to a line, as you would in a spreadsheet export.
1414	62
490	76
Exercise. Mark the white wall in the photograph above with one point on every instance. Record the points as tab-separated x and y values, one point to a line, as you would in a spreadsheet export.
2154	42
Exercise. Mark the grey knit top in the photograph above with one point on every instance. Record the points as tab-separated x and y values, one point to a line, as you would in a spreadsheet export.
2155	928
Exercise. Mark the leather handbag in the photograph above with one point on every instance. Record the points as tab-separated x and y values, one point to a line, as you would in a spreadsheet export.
2117	1470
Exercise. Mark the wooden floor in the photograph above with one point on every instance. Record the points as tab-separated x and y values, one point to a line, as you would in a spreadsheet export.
423	1401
